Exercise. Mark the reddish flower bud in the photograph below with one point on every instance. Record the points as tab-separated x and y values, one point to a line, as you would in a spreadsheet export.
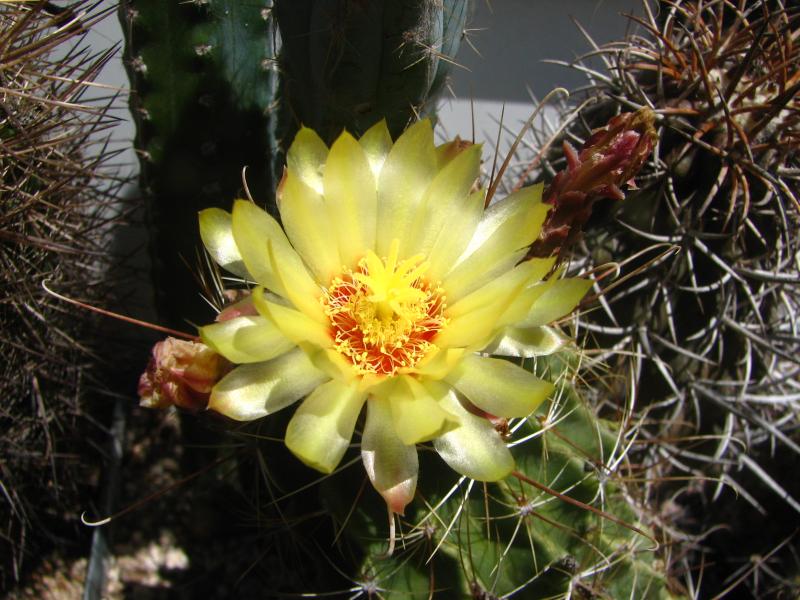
180	373
611	157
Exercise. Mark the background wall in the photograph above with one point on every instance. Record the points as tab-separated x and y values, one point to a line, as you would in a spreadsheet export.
513	37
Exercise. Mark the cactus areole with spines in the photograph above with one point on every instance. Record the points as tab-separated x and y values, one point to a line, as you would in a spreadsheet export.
387	285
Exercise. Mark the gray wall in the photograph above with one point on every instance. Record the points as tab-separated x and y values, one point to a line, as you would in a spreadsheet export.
513	37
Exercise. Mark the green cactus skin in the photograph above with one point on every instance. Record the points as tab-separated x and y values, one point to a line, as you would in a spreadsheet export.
466	539
201	80
349	63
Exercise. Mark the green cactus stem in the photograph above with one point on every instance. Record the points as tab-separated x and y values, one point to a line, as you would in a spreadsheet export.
348	64
201	94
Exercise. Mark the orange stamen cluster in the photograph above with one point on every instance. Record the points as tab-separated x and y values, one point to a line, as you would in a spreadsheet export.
383	314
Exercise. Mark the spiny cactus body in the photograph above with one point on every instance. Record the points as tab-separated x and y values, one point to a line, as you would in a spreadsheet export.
715	327
201	94
348	64
59	198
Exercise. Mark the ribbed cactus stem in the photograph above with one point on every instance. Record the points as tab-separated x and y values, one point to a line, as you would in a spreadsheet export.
201	79
348	64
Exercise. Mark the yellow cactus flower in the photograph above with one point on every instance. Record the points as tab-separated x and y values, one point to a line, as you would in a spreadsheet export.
389	285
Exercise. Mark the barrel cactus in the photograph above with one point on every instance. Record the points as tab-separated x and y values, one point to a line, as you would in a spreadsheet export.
714	327
59	196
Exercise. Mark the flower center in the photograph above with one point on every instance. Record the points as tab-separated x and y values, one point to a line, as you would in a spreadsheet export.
384	314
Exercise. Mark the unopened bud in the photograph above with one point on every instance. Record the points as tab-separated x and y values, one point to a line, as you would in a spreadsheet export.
180	373
611	157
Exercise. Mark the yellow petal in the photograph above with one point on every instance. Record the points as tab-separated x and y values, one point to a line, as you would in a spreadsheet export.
475	319
306	158
336	366
444	200
559	299
215	231
499	387
321	428
308	227
408	170
391	465
474	448
500	242
437	363
246	339
510	208
256	390
295	325
350	196
376	142
253	229
302	291
526	342
452	242
499	291
416	414
471	331
535	287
